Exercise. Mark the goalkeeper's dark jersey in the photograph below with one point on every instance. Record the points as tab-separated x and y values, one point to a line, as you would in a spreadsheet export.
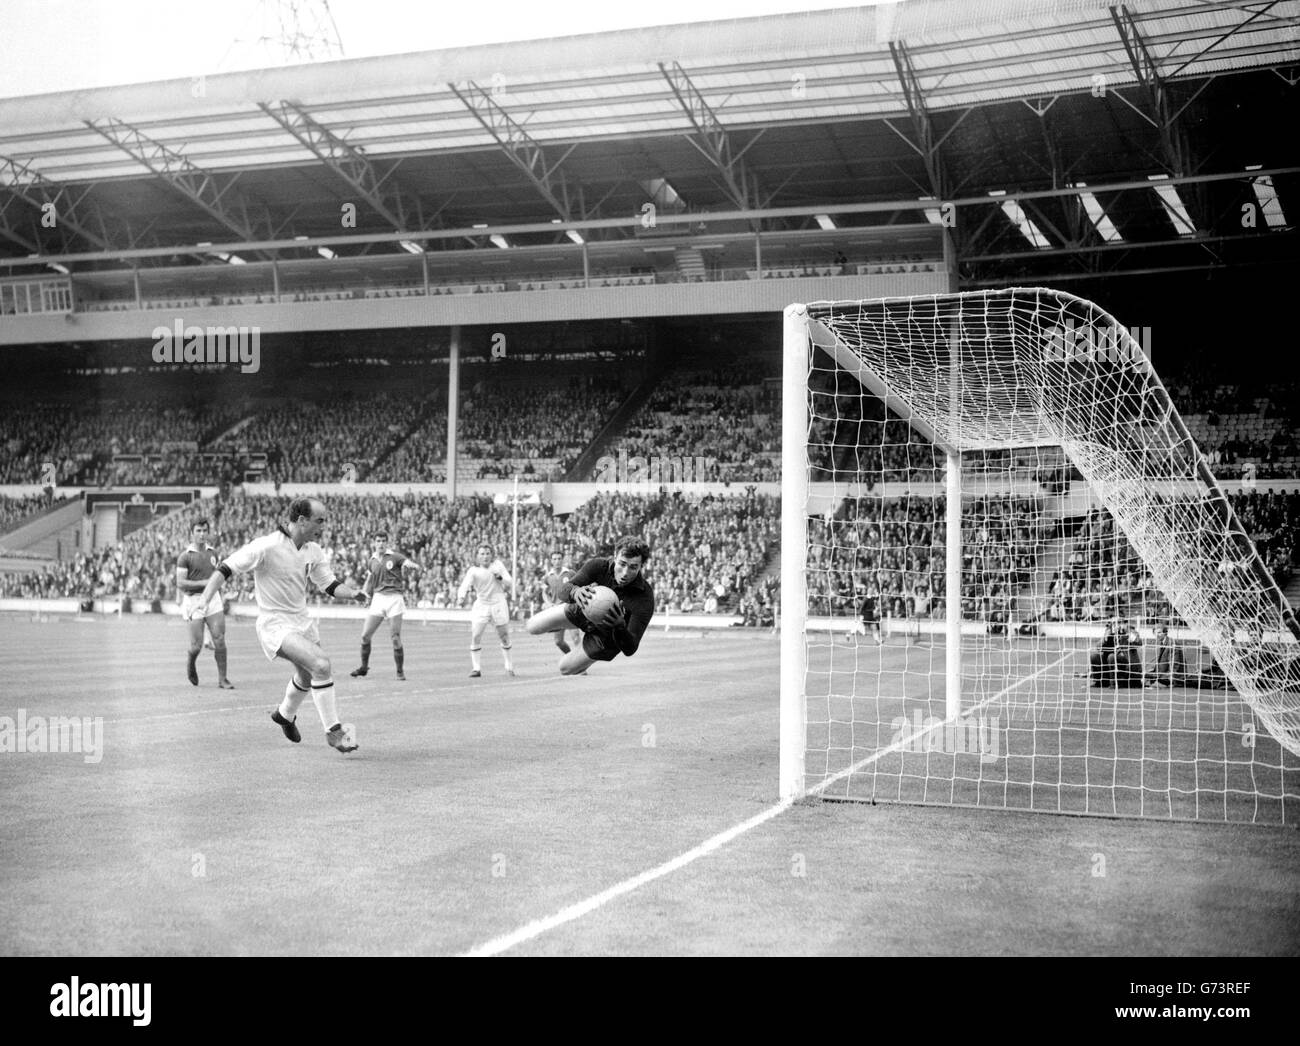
638	600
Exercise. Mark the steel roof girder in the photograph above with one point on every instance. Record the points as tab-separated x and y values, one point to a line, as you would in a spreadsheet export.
714	140
344	159
182	174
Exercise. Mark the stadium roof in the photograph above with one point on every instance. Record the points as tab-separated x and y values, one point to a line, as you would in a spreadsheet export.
939	98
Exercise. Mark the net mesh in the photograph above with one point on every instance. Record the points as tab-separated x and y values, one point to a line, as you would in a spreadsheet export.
1124	649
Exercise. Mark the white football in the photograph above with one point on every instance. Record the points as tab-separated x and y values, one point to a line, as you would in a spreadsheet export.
603	600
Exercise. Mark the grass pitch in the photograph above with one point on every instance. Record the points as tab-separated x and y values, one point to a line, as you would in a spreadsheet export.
474	807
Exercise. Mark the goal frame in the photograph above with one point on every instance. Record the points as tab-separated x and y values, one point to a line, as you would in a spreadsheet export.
802	337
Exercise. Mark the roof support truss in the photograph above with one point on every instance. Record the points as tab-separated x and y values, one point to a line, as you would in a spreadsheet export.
74	212
714	141
526	153
220	200
378	189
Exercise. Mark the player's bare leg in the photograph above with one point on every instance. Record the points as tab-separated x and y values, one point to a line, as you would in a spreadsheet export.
576	662
371	626
399	654
476	648
552	619
217	629
561	640
503	633
556	619
196	648
312	674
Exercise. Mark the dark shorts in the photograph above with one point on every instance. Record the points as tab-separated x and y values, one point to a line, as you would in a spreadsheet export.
600	646
597	643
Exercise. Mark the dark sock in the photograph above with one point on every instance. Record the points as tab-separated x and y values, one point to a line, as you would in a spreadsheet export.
365	654
220	654
399	655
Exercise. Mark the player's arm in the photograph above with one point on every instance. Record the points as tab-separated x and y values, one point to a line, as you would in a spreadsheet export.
500	572
240	562
183	583
322	576
585	577
629	626
463	591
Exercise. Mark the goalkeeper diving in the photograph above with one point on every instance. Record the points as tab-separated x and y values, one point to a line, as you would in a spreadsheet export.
619	629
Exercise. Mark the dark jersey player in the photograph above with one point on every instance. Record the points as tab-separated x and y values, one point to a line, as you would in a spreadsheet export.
193	568
552	584
871	618
385	585
620	630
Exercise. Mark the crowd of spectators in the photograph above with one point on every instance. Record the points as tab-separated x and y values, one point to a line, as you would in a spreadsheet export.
719	416
81	442
15	511
502	428
852	437
1102	577
706	552
178	468
895	551
1272	521
308	442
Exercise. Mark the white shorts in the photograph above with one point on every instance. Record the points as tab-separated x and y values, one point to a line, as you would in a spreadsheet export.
490	614
194	609
272	630
386	605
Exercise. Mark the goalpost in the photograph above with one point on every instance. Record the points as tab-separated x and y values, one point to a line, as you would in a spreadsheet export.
1009	577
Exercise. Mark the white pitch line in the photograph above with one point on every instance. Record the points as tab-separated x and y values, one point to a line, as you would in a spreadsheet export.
576	911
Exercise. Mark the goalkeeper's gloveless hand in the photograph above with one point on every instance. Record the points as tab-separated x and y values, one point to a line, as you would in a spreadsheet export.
582	596
616	618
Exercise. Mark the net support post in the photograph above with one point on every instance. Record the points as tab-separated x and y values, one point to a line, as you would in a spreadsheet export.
453	399
794	550
952	483
952	605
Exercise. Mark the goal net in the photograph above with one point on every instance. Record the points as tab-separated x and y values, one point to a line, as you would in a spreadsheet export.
1009	578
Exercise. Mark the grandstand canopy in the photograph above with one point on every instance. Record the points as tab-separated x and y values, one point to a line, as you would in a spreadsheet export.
1116	137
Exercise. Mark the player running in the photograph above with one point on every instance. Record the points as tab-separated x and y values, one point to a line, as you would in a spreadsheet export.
489	578
193	568
620	631
282	563
385	583
552	582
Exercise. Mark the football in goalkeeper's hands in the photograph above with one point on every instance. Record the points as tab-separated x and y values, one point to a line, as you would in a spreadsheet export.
602	606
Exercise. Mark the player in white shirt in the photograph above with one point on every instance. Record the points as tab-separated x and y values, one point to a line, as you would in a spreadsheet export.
282	562
489	579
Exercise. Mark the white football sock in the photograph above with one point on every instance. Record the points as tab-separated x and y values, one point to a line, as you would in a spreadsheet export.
294	696
326	702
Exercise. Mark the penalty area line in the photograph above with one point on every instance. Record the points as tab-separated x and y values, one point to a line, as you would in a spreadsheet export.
576	911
